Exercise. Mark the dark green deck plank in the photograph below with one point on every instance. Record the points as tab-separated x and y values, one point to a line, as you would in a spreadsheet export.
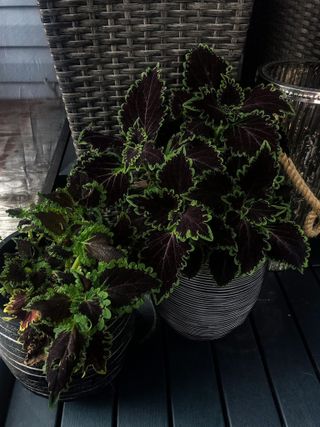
303	294
29	410
6	385
248	397
94	411
142	386
195	397
294	380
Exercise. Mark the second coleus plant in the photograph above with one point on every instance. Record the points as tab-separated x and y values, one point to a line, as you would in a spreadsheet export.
195	177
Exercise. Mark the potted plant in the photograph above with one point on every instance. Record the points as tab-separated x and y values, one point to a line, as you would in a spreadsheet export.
198	190
67	294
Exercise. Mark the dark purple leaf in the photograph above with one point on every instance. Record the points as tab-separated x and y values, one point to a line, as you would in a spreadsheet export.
126	284
16	304
52	221
61	198
56	308
195	126
260	174
179	97
223	235
24	248
144	104
34	344
158	206
166	254
151	155
287	244
76	183
193	223
99	247
230	94
14	271
204	157
268	99
123	231
194	263
248	134
204	67
62	359
176	175
98	352
38	278
210	190
207	105
251	246
223	266
167	130
116	185
92	310
261	211
99	141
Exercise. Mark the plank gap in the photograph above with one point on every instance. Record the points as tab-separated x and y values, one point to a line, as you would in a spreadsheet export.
267	372
223	402
299	329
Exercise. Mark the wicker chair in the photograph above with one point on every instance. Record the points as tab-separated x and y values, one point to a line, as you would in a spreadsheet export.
101	46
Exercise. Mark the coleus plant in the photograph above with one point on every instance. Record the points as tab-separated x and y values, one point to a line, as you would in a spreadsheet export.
68	281
195	177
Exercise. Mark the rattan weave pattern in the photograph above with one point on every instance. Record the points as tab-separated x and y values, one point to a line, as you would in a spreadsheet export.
292	30
101	46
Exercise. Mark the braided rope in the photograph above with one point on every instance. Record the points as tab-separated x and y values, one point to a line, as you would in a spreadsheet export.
310	227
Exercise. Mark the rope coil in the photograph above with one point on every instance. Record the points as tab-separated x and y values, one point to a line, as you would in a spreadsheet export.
311	228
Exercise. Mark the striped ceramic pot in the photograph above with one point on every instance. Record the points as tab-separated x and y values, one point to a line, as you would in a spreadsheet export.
34	379
199	309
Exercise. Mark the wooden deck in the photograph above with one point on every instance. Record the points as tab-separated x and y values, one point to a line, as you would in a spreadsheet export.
264	374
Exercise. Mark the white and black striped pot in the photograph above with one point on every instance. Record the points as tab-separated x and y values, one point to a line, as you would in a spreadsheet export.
199	309
34	379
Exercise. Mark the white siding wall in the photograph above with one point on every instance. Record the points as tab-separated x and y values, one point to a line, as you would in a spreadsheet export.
25	61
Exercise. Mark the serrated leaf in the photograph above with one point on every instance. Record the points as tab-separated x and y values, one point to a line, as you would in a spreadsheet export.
61	362
55	308
204	157
258	178
24	248
98	141
194	263
247	135
178	98
260	212
157	206
203	67
193	126
151	155
206	103
92	310
52	221
224	235
34	344
193	223
61	198
210	190
125	285
99	247
223	266
98	352
144	104
251	245
230	93
176	175
267	99
287	244
166	254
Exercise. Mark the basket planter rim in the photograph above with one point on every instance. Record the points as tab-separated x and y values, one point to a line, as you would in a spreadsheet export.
297	90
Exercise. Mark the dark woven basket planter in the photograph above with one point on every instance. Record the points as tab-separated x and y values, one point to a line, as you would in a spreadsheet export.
300	81
101	47
34	379
291	30
199	309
